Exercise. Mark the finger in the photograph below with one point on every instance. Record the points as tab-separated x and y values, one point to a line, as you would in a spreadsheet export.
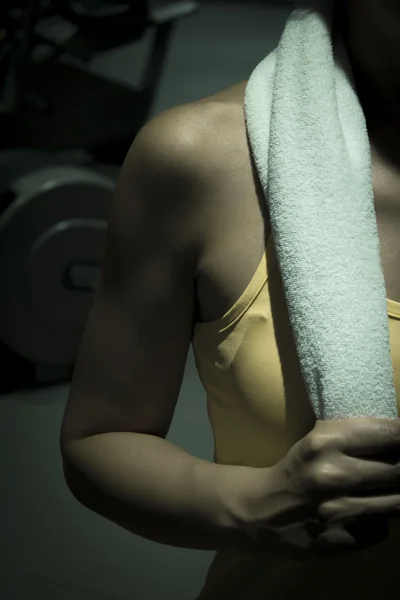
333	537
344	510
356	475
349	538
371	436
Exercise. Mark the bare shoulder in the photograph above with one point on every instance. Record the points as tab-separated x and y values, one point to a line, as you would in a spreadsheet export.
169	163
188	138
188	150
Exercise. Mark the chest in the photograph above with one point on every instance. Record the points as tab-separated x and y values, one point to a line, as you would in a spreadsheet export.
238	227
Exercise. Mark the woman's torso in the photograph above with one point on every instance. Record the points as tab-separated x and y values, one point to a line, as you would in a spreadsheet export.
246	358
236	221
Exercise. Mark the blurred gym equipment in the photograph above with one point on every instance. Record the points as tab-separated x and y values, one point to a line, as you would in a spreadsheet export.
54	199
53	105
53	221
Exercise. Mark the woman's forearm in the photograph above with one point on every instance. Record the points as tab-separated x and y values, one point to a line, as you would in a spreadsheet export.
156	490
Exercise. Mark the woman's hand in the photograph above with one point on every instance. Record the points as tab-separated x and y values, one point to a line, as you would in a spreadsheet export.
331	494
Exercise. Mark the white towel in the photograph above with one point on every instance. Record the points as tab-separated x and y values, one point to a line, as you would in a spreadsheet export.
309	139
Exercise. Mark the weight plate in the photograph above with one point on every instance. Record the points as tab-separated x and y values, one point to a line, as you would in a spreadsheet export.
15	163
52	241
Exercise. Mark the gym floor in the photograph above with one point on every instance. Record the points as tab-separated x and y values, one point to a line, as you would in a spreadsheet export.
52	547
